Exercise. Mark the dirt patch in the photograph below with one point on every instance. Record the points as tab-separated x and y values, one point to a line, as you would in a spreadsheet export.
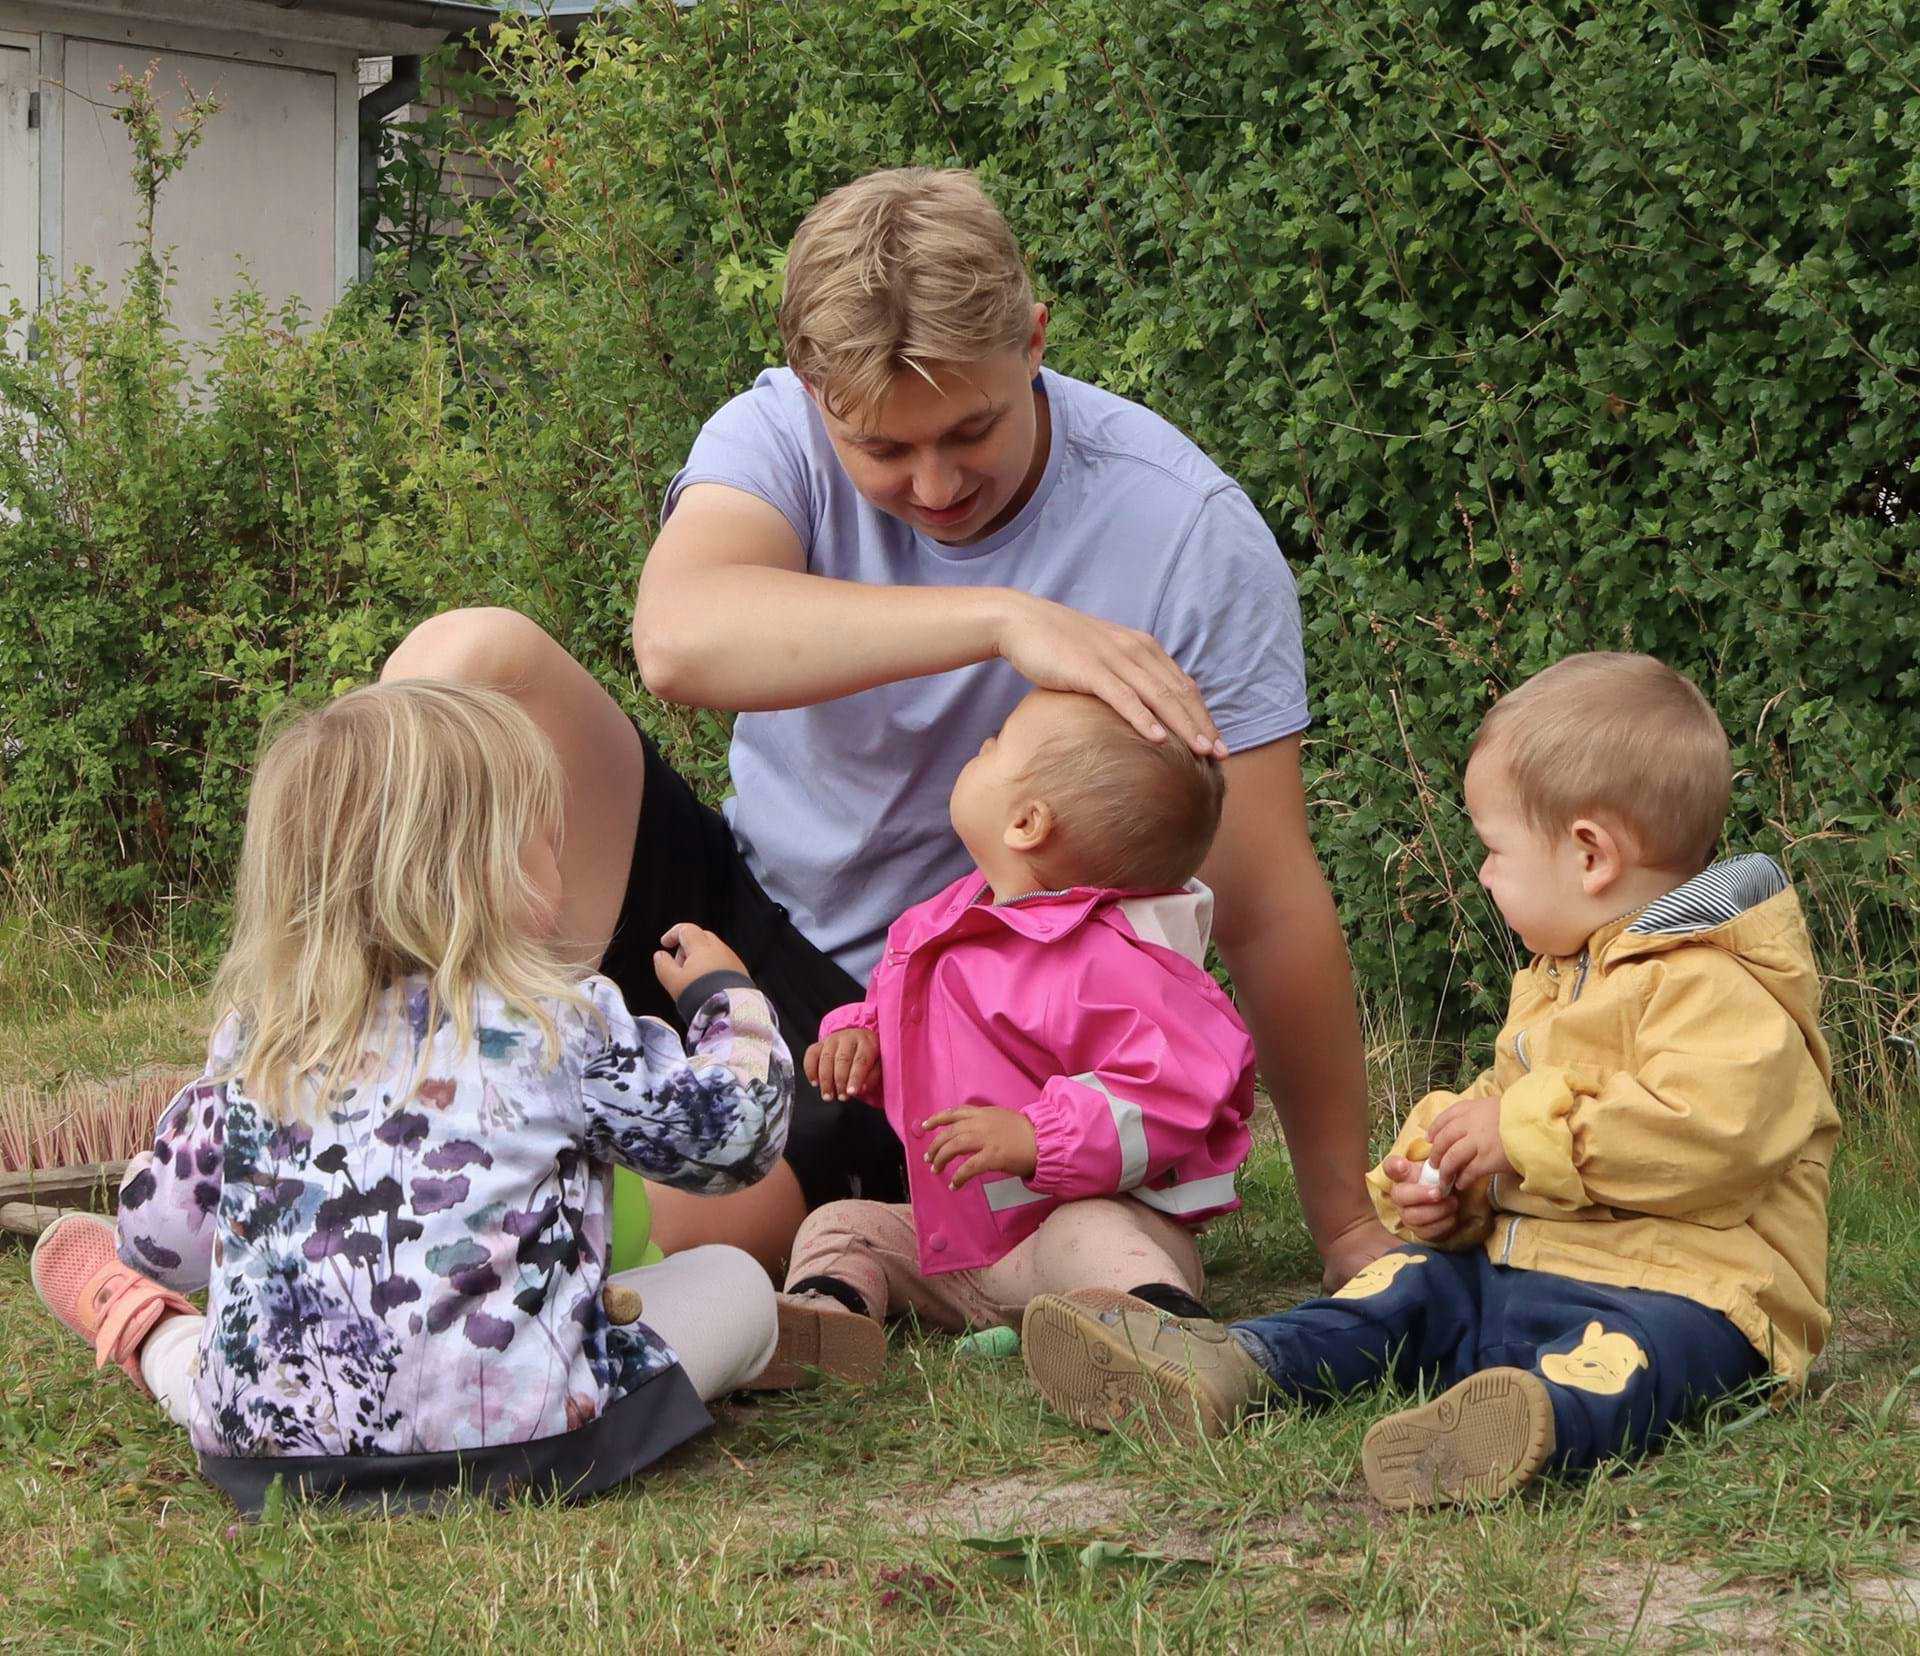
1020	1505
1646	1601
1668	1603
1030	1505
1895	1596
1859	1332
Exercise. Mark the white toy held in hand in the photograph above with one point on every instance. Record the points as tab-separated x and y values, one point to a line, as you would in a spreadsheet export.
1419	1150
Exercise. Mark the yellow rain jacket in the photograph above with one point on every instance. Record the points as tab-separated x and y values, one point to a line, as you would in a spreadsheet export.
1664	1099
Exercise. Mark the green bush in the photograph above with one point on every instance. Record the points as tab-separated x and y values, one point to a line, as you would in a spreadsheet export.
180	565
1532	329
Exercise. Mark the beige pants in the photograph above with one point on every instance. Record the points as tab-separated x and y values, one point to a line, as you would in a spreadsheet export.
1108	1243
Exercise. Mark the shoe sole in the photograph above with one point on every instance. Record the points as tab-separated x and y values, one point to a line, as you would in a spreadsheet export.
1092	1373
815	1346
1478	1441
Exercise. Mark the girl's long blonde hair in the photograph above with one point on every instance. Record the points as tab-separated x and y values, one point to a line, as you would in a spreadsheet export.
384	839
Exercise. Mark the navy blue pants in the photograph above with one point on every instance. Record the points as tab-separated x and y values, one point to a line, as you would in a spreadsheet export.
1622	1365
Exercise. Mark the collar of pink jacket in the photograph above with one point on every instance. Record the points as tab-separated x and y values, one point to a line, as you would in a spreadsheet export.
1178	920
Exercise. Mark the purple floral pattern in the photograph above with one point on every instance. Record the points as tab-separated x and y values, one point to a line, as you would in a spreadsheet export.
420	1269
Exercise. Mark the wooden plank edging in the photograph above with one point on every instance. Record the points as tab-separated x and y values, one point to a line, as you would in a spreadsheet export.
25	1219
91	1184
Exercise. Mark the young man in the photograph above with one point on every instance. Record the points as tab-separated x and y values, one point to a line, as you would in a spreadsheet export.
869	556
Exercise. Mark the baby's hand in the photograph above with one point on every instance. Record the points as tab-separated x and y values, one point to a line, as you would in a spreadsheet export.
842	1064
1466	1142
1429	1211
1001	1141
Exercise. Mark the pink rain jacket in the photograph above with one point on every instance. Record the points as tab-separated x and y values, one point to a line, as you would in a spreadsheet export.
1090	1013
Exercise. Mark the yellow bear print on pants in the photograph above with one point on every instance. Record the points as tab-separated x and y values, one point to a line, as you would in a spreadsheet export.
1601	1363
1378	1277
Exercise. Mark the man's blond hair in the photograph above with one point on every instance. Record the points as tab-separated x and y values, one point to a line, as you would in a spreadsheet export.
900	270
1129	814
1619	737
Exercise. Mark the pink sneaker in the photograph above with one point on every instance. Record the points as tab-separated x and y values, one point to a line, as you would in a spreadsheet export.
78	1275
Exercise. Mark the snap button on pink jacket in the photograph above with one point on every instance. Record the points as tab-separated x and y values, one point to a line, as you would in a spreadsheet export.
1090	1012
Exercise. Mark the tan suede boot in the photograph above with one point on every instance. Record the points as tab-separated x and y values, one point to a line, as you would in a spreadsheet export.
1101	1358
821	1339
1478	1441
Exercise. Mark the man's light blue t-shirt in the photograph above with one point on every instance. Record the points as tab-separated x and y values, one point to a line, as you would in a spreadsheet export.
841	809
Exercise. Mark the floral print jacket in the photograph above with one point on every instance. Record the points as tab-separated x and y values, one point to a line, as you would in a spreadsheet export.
419	1270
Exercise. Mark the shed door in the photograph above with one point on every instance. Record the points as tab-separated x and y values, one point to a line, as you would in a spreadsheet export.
19	188
258	191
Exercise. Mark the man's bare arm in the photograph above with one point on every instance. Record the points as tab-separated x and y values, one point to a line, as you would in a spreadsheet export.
1280	937
727	616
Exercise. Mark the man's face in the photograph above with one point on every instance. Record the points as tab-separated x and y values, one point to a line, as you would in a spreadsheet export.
955	453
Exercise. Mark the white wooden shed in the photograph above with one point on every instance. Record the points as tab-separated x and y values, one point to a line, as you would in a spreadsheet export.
275	182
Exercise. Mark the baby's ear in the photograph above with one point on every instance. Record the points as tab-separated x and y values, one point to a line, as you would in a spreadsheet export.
1032	826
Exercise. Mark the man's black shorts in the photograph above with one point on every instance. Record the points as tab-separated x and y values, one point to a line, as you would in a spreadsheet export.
687	867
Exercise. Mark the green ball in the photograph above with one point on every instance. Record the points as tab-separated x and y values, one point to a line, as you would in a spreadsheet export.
990	1342
632	1242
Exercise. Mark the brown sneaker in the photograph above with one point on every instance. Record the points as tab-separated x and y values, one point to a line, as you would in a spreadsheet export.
1099	1362
821	1340
1478	1441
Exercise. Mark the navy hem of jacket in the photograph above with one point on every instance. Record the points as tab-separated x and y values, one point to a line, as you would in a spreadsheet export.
704	988
632	1434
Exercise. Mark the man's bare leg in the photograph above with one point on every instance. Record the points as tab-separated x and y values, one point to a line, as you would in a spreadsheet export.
600	754
762	1219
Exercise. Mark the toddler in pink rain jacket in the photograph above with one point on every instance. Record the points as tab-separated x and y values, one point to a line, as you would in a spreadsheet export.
1071	1086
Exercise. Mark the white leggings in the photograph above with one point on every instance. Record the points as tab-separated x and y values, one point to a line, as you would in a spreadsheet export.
713	1305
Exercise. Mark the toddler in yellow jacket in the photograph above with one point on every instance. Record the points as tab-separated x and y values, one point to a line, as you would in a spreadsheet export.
1626	1216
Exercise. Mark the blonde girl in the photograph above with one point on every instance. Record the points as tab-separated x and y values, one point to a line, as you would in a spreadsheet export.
393	1177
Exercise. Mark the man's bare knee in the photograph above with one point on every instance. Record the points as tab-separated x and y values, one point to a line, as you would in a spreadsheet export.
499	649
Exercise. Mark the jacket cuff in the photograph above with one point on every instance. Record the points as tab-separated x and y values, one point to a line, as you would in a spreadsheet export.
854	1015
1536	1131
1054	1137
703	988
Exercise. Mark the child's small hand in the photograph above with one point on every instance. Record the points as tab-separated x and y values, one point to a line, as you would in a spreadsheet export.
1000	1141
1466	1142
687	953
843	1064
1429	1212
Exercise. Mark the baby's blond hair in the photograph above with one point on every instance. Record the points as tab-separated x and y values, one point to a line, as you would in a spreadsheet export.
1129	814
1619	736
384	838
900	269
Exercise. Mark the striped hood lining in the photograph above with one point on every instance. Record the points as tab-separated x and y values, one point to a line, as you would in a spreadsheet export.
1713	897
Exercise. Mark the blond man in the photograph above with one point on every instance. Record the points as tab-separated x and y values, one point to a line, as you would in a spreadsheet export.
869	556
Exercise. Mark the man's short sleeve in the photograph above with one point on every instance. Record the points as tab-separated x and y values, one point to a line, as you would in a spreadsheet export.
1231	618
753	444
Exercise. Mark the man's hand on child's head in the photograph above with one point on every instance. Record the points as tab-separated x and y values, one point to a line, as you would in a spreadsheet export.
993	1141
842	1064
1466	1143
1429	1212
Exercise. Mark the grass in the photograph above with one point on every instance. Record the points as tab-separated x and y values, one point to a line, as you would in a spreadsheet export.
837	1520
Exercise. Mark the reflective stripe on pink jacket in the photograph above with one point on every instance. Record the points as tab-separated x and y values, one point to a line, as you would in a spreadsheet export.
1090	1012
